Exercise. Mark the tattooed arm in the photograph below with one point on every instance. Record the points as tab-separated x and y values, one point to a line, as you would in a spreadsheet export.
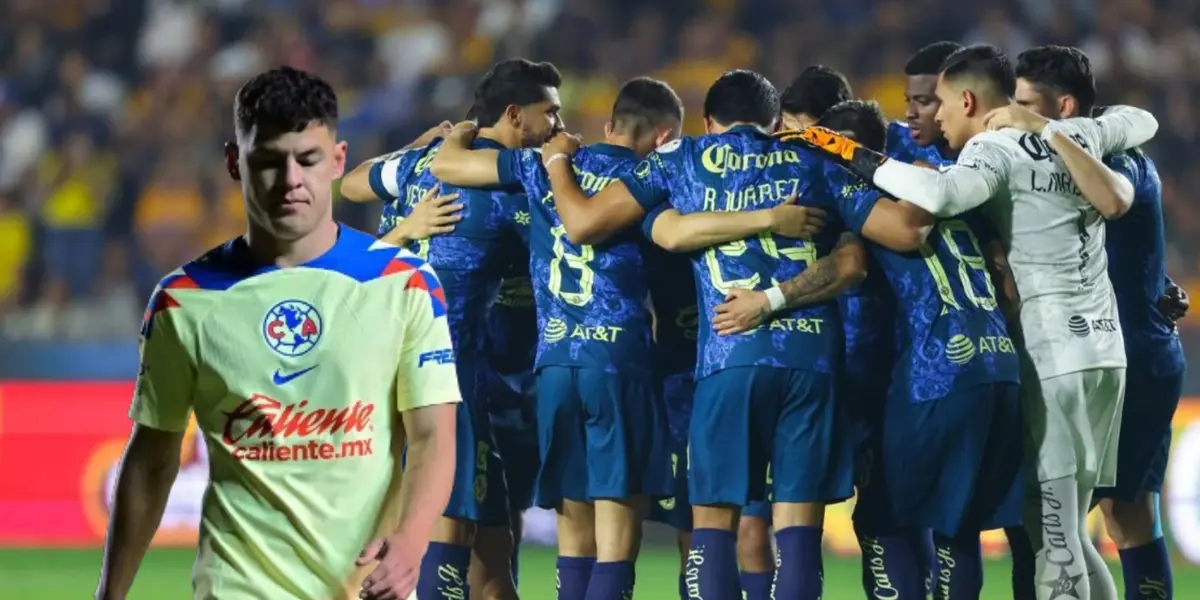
823	280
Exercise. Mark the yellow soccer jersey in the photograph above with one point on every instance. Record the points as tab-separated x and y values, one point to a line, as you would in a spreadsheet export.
297	378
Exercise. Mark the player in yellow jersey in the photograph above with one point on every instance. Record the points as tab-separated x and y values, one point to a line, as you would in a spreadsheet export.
310	355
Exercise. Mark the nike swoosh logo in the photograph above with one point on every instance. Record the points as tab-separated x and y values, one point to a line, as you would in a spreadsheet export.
281	379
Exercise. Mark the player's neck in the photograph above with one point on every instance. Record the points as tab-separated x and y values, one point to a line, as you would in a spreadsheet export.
505	136
623	140
270	250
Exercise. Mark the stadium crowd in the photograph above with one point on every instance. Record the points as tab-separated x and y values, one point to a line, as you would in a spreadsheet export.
112	114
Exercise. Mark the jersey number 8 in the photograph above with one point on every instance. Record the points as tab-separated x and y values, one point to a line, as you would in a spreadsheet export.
966	263
563	260
805	253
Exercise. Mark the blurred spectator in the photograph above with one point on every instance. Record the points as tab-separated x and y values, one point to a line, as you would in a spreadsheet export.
113	112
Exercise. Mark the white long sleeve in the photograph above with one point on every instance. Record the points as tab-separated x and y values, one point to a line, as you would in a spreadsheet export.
981	171
1119	128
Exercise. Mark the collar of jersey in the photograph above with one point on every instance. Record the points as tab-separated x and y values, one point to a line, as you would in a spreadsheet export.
612	150
489	143
236	254
748	129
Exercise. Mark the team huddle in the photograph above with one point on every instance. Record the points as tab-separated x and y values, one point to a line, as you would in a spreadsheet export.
724	333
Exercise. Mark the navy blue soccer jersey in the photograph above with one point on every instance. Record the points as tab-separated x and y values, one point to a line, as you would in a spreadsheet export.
472	259
591	300
1135	246
902	147
745	169
512	321
949	331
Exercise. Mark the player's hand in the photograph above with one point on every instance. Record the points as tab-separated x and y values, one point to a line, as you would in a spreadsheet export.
1015	116
1174	303
398	563
561	143
794	221
742	311
434	214
463	132
440	130
862	161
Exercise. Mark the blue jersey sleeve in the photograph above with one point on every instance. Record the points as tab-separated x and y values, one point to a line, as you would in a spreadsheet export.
521	166
854	199
1127	165
649	182
651	217
386	175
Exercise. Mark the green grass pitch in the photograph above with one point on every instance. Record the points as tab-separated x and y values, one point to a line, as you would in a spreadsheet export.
71	575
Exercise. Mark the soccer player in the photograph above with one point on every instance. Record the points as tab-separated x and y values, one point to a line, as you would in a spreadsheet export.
594	355
768	396
919	138
1056	82
949	462
810	94
512	335
330	355
1049	220
517	105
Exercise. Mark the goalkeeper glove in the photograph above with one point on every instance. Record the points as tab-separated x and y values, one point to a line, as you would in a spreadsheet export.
861	161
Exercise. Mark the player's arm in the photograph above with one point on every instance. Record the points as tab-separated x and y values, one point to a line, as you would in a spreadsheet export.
457	164
979	174
148	470
1109	192
894	224
428	396
1119	128
685	233
821	281
375	178
609	211
161	408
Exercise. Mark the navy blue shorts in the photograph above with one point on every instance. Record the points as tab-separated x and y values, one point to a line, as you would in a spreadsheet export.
601	435
955	464
1145	442
480	493
758	510
747	419
677	391
513	408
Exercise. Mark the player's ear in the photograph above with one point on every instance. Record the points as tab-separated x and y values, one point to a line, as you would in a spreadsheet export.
970	102
1068	106
608	128
663	135
339	158
231	160
709	125
512	113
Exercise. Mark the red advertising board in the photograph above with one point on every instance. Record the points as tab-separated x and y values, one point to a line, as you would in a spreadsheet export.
60	444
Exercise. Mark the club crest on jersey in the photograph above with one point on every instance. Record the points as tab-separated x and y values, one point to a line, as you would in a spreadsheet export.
292	328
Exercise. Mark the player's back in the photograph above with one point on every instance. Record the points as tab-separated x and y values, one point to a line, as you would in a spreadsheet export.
295	377
745	169
1137	265
1055	242
590	299
471	259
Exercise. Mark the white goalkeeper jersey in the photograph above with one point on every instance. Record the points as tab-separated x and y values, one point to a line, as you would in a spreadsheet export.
296	378
1054	237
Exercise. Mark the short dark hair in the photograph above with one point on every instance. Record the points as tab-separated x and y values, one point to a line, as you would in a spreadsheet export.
643	104
516	81
815	91
742	96
1058	71
862	117
985	62
284	100
929	60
